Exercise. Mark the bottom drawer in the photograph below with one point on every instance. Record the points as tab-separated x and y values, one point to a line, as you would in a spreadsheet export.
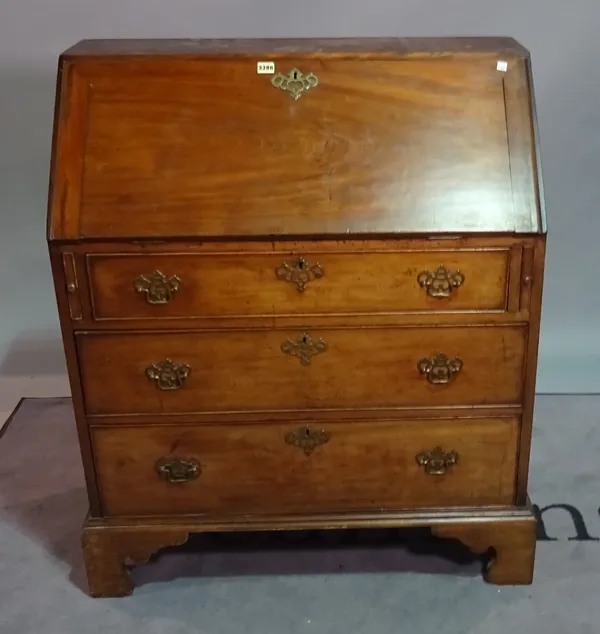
292	468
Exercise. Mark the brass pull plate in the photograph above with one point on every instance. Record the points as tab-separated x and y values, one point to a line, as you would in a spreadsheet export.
178	470
439	369
437	461
307	438
441	282
157	287
305	348
168	375
295	83
299	272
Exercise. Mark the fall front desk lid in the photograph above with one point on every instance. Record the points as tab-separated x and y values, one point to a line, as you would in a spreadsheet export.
255	138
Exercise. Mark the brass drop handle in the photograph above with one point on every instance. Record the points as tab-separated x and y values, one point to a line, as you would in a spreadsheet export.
441	282
299	272
437	461
178	470
304	347
440	369
157	288
307	438
168	375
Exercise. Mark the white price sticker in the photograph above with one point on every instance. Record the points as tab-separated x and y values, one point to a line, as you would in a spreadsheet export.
502	66
265	68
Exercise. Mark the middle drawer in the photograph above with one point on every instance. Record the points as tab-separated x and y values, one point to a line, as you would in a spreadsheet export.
281	370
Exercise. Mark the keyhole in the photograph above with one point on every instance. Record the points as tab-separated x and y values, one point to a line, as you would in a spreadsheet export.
307	432
304	338
295	74
301	265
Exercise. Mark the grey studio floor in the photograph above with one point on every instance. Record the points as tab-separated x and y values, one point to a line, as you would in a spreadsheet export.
314	585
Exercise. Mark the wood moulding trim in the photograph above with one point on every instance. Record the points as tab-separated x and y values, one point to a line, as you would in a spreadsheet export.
191	330
522	145
414	411
303	321
290	416
74	375
107	553
399	518
315	249
531	366
505	535
377	47
71	111
286	244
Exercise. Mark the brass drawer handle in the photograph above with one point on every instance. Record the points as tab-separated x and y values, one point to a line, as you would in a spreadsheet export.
305	348
158	288
168	375
307	438
437	461
441	282
295	83
178	470
439	369
299	272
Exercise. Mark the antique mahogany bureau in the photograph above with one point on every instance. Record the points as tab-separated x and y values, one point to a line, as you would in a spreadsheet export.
299	285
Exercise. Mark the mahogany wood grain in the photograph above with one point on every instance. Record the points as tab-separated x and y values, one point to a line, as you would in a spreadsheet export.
307	322
407	155
456	412
512	546
252	469
246	285
106	553
524	162
68	143
348	244
533	282
376	148
111	543
57	264
463	251
391	48
247	370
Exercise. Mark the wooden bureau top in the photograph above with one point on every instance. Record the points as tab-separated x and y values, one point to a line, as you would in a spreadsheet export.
371	47
159	139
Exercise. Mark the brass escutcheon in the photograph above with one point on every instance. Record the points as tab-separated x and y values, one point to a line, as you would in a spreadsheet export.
304	348
178	470
437	461
307	438
439	369
441	282
295	83
158	288
168	375
299	272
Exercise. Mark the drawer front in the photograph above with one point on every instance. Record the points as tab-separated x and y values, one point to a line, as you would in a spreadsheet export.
283	468
163	286
278	370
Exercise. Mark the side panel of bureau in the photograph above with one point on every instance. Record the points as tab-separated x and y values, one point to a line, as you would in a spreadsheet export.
62	279
250	370
334	466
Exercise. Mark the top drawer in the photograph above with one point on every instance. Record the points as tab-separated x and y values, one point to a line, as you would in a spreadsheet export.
162	286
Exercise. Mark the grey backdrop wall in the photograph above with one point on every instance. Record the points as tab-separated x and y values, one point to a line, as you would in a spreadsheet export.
565	47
